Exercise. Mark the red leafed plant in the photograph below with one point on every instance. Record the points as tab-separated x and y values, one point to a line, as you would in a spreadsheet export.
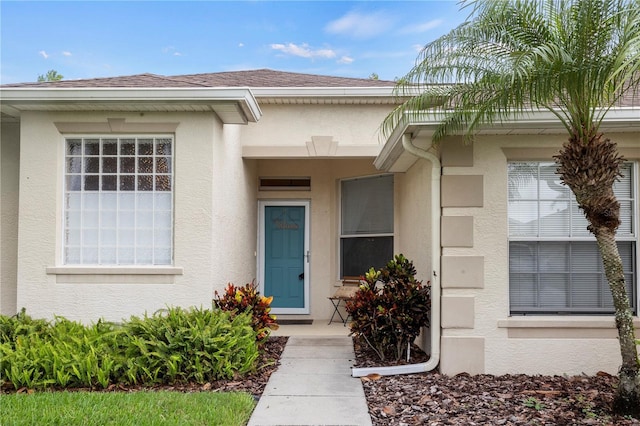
390	308
241	299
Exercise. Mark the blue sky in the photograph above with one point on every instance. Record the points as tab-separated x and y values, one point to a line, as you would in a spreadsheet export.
87	39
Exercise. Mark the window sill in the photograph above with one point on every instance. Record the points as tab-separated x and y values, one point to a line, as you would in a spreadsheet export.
115	274
114	270
544	327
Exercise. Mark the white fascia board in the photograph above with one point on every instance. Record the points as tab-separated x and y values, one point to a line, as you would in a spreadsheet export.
15	96
392	148
319	92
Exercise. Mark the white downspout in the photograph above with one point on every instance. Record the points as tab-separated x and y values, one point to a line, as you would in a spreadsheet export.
434	359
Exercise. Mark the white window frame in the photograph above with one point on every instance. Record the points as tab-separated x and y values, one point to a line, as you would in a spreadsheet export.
631	237
342	235
167	212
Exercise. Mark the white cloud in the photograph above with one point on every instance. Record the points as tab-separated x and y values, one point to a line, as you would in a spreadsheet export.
303	51
170	50
418	47
43	54
360	25
345	60
421	28
66	53
240	44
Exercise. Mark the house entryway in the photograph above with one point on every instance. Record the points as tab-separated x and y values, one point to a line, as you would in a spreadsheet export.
283	257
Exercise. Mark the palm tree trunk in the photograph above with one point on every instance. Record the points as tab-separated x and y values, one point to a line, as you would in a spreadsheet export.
590	167
628	392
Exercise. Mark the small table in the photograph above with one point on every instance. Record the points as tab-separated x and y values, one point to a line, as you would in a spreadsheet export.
340	298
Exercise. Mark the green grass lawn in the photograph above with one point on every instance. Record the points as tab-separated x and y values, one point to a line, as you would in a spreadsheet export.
122	409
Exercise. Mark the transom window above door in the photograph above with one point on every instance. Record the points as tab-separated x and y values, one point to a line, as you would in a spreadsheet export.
366	228
118	200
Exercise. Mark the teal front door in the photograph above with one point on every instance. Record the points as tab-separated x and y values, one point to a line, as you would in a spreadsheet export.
284	230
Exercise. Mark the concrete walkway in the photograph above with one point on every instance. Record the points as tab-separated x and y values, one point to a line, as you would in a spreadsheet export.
313	386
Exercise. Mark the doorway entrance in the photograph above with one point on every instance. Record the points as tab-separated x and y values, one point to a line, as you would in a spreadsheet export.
283	258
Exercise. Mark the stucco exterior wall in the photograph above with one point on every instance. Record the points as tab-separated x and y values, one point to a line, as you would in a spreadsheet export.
9	175
234	186
475	302
295	125
413	217
199	153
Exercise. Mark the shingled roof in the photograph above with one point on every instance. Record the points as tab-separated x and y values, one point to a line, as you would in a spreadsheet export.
250	78
260	78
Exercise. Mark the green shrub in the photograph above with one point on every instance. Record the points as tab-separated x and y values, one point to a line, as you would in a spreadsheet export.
247	299
389	317
20	324
173	345
61	353
195	345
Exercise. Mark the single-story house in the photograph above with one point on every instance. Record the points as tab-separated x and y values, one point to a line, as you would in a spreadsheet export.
127	194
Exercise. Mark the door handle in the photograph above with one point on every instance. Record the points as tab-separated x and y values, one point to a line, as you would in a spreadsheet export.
301	276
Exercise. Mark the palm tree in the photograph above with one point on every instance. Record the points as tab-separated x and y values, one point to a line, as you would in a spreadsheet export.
575	58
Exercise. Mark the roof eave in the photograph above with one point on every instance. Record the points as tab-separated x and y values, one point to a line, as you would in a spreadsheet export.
622	118
233	105
314	92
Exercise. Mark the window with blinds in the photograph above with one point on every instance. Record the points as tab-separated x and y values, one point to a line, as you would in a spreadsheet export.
366	236
554	262
118	201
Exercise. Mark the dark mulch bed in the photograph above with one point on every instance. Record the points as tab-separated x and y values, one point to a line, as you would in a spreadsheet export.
434	399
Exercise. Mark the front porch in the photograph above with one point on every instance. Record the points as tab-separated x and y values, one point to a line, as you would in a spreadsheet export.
316	328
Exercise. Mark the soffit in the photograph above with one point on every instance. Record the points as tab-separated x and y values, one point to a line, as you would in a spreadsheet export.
394	158
233	106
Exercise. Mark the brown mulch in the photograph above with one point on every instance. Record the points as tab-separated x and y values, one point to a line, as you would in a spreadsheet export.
435	399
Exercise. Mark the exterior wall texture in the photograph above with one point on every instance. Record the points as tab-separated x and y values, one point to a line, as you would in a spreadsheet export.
295	125
215	207
215	228
202	206
475	277
9	175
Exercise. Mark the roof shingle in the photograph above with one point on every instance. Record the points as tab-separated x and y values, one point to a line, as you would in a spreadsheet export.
250	78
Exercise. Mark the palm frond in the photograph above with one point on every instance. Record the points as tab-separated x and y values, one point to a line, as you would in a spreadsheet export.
575	58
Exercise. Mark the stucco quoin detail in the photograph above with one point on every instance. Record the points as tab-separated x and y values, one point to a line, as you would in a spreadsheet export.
462	191
463	271
457	231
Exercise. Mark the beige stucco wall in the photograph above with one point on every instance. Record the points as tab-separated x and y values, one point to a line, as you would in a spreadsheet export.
413	217
210	193
215	202
9	171
477	292
295	125
234	209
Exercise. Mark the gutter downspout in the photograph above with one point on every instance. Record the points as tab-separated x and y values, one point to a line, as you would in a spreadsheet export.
434	359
